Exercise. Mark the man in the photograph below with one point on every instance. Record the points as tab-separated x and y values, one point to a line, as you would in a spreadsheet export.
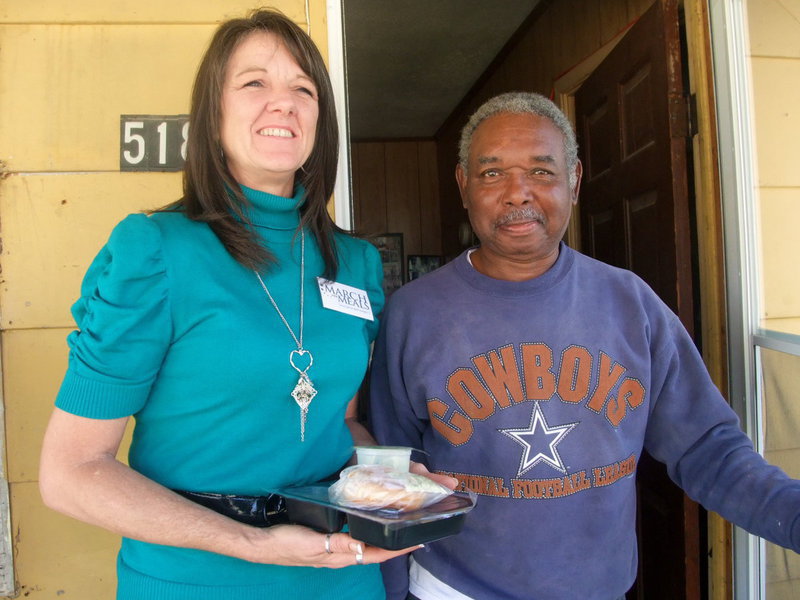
536	376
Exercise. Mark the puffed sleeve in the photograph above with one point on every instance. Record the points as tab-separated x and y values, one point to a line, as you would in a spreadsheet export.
124	325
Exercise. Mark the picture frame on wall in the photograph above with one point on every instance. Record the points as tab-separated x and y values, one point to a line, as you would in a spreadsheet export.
390	247
419	264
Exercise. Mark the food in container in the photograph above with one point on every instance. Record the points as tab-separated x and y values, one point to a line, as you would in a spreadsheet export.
372	487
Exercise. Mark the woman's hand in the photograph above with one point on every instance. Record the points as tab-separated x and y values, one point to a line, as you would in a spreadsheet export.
298	546
445	480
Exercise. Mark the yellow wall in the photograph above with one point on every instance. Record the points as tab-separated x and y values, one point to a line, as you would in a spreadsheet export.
774	27
68	70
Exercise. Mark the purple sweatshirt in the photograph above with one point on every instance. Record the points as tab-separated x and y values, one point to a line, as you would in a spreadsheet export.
540	396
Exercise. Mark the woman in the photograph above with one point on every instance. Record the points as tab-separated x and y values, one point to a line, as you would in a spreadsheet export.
205	322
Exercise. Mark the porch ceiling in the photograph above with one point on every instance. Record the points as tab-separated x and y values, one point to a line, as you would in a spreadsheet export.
410	62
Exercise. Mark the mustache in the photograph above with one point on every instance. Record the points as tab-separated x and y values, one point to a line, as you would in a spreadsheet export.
520	215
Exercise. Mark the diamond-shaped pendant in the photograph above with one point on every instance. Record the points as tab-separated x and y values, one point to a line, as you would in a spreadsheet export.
303	393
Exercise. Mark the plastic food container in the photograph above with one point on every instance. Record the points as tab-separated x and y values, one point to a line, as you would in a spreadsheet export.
402	530
386	528
397	457
317	516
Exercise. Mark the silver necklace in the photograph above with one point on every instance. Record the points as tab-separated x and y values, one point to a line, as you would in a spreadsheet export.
304	392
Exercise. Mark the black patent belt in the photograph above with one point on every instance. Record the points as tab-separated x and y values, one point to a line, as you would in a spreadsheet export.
258	511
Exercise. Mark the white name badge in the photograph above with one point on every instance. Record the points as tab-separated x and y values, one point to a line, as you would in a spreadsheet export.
345	298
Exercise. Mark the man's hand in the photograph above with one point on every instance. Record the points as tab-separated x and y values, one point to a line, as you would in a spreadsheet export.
445	480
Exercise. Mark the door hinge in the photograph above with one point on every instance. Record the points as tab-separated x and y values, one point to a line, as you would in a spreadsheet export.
682	116
691	116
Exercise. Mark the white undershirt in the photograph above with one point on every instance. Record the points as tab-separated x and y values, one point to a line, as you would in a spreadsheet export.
469	256
426	587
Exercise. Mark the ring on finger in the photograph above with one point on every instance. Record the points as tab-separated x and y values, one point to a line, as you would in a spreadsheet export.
359	555
328	543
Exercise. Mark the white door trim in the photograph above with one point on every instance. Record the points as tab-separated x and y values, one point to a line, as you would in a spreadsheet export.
730	47
342	199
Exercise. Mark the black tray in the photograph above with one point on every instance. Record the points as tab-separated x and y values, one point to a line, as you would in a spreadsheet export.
386	528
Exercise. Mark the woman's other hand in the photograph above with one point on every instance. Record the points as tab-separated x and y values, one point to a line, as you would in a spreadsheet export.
298	546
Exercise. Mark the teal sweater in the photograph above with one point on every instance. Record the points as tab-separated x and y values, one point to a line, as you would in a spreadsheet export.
175	332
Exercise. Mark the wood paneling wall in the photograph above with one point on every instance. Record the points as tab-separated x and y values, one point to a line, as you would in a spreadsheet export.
396	190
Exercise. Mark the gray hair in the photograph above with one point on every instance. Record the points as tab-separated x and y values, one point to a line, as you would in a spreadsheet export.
522	102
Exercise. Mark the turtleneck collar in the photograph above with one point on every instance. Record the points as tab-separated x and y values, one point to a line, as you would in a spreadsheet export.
274	212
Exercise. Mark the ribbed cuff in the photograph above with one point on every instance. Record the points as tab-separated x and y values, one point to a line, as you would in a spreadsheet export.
100	400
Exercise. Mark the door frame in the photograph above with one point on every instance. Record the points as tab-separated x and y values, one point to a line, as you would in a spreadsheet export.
342	191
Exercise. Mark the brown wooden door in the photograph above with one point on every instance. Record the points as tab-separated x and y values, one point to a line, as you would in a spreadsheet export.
631	122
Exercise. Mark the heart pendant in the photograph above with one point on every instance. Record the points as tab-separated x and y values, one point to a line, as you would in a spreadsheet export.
300	357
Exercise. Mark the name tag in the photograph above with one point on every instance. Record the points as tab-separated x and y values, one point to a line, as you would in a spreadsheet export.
345	298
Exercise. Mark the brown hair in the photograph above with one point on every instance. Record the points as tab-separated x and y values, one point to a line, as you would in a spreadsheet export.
210	193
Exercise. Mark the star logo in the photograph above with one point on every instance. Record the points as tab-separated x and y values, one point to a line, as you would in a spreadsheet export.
540	442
